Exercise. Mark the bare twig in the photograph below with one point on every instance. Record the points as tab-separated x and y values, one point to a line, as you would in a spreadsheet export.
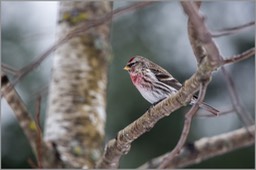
8	69
27	124
122	143
206	148
242	113
80	29
196	45
35	63
37	113
221	113
205	42
203	36
17	105
232	30
42	92
39	132
188	119
240	57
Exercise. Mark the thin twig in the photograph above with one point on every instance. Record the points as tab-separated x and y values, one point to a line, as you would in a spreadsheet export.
198	49
122	143
73	33
27	124
232	30
42	92
242	113
8	69
19	108
221	113
188	119
35	63
37	115
39	132
202	33
80	29
206	148
236	58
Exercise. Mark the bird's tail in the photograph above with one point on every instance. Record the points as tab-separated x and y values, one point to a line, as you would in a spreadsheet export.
209	109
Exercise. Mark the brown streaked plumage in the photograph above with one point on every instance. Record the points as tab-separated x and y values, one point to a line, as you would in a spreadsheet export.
154	82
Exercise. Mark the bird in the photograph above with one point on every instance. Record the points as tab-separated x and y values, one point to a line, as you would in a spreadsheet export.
155	83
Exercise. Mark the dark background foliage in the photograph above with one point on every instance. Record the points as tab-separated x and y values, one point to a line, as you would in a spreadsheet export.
158	32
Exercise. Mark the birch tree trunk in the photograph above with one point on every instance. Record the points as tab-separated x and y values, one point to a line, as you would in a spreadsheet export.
77	97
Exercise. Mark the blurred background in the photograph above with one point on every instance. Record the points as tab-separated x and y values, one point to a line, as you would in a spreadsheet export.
158	32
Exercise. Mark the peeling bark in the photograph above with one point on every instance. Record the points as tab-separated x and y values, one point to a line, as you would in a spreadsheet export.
77	97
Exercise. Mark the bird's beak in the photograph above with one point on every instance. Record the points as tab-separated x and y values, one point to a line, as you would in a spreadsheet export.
127	68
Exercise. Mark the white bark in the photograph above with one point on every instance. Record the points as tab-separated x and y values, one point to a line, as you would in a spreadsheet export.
77	99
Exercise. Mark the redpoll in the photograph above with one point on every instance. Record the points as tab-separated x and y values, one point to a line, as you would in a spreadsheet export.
155	83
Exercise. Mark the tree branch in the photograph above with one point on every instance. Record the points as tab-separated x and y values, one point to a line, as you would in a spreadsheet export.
196	45
188	119
242	113
206	148
203	45
79	29
236	58
27	124
202	33
39	134
8	69
121	145
232	30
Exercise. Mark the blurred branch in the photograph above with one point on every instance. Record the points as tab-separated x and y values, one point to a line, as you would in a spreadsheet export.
242	113
43	92
206	148
196	45
240	57
222	113
39	132
202	40
8	69
80	29
35	63
28	125
232	30
188	119
19	108
202	35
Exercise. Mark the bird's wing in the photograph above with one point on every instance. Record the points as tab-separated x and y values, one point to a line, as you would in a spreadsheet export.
165	77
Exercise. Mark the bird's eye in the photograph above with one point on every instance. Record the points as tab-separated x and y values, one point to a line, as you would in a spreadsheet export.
131	64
